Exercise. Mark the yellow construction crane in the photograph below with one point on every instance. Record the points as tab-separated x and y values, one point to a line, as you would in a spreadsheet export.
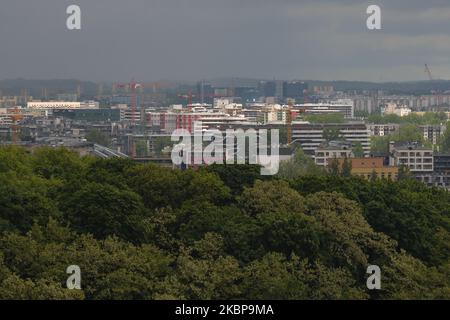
16	117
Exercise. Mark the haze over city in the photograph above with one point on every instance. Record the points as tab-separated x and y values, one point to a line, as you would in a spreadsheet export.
196	39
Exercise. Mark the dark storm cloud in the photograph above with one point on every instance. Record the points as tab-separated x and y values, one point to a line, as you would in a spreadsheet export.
193	39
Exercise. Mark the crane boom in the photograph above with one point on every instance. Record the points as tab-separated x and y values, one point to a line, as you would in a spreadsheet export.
428	71
132	86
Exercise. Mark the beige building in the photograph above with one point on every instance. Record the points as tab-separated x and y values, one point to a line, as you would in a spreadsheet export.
368	168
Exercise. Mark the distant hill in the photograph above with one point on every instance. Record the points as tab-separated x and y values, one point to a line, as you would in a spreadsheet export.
89	89
406	87
411	87
35	87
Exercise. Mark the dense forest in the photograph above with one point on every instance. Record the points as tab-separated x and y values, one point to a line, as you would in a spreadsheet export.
221	232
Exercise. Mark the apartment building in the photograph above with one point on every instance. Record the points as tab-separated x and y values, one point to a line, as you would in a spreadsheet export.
167	122
381	130
433	133
416	157
442	170
49	105
311	136
332	150
344	107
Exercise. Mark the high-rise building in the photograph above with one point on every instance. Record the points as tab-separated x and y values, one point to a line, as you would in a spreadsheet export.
294	89
432	133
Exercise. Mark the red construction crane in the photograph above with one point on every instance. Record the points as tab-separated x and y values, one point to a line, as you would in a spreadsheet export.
132	86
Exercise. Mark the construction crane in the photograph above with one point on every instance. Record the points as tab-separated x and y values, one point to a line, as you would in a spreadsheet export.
428	71
16	117
132	87
437	95
189	97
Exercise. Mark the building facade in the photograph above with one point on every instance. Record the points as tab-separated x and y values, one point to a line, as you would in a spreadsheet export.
311	136
325	154
381	130
370	168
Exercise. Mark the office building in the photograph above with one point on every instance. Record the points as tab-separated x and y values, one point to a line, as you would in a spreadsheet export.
310	136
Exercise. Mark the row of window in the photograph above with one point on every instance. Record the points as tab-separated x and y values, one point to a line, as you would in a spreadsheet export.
416	154
413	160
389	176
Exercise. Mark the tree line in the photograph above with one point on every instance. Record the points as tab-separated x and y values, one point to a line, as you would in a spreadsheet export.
220	232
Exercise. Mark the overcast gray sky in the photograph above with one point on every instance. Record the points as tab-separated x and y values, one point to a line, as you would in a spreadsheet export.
194	39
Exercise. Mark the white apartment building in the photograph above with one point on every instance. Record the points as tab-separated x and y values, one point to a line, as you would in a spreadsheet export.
50	105
393	108
311	136
324	154
344	107
417	158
